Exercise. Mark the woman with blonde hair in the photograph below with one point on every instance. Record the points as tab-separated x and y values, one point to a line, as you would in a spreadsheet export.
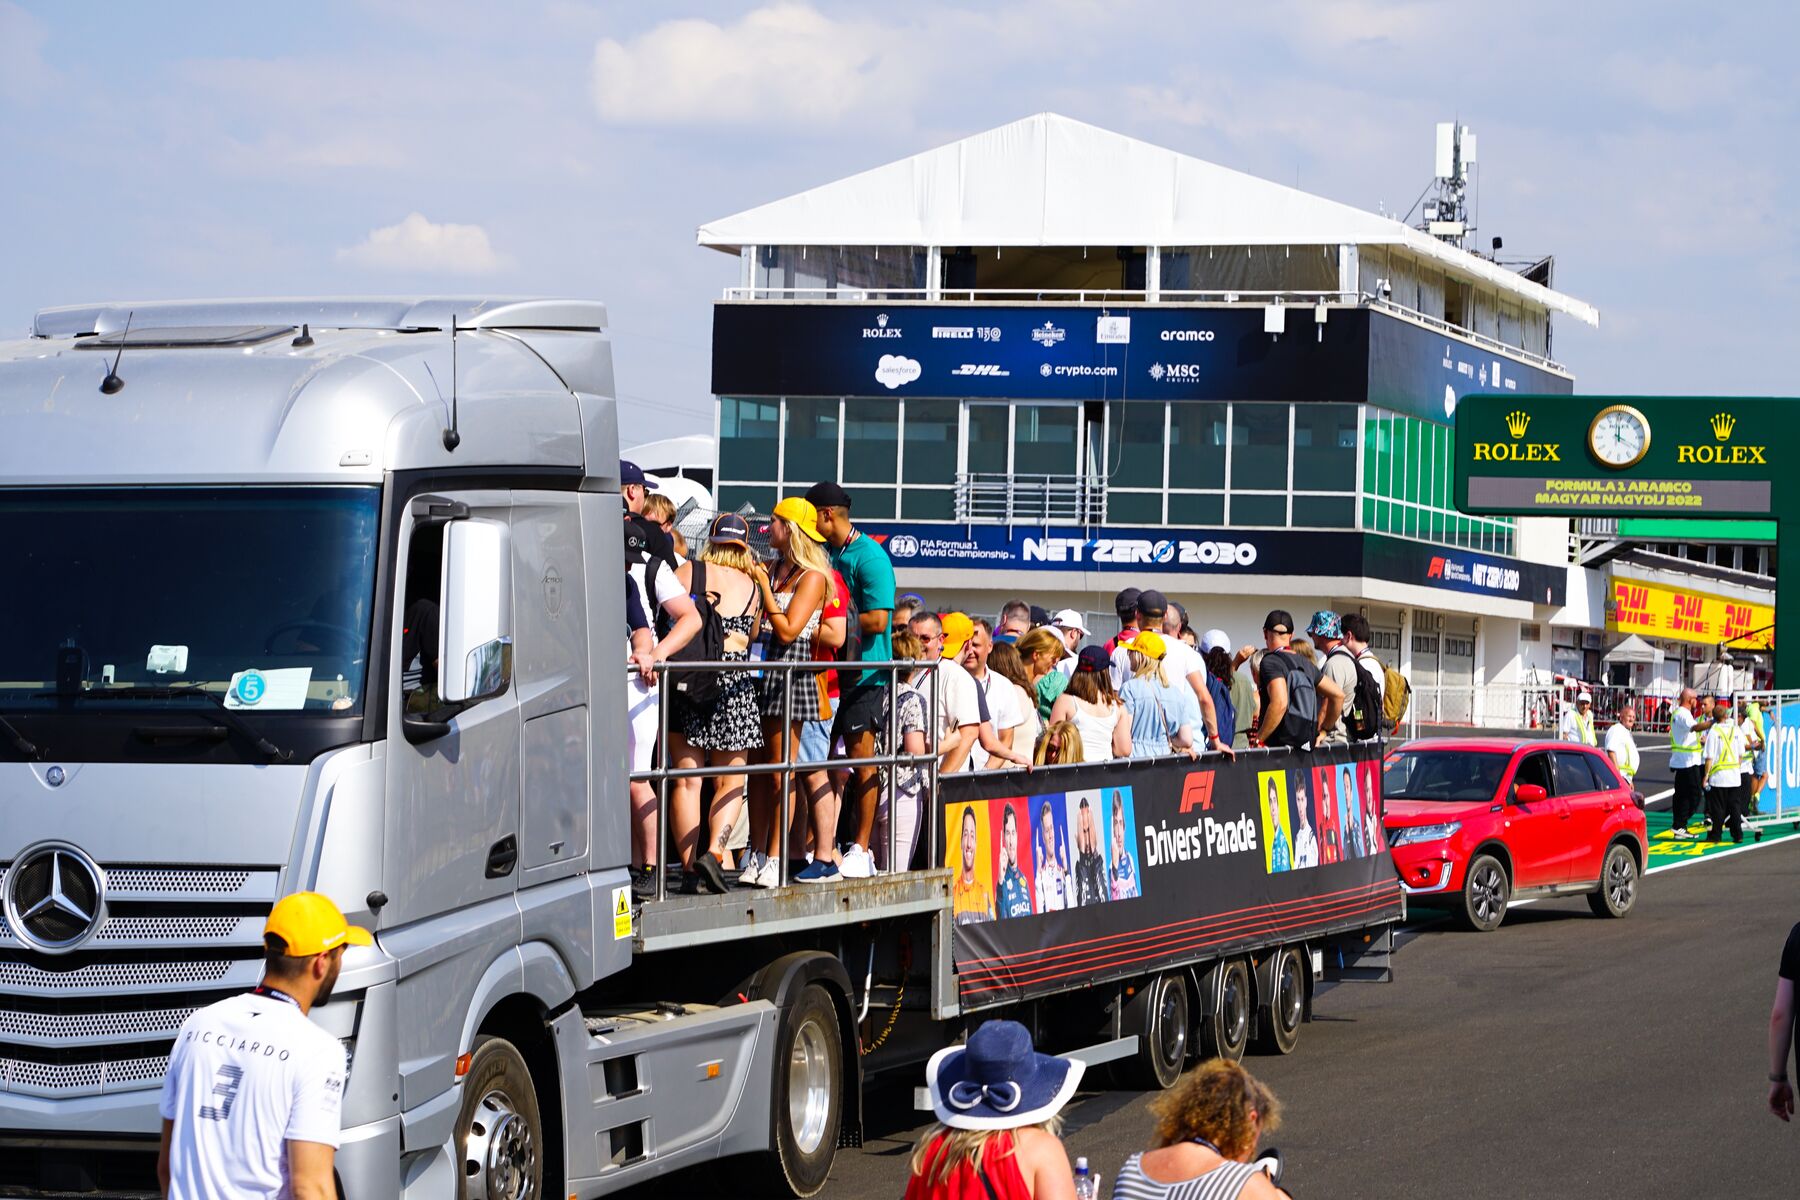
725	731
1207	1130
1040	651
1163	715
997	1102
1092	704
908	802
793	602
1059	745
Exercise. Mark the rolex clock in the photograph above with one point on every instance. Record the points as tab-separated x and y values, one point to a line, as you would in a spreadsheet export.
1619	437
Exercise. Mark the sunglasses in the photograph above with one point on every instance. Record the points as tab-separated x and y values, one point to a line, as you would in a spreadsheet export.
1276	629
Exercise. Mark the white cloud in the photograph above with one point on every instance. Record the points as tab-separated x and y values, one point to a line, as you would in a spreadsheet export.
786	62
417	244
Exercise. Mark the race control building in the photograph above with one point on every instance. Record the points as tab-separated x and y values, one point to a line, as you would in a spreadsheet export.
1051	361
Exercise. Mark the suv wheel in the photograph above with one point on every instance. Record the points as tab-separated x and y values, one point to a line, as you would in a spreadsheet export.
1486	890
1618	884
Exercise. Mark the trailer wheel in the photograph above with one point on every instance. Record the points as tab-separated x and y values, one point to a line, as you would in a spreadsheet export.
1278	1029
808	1097
1226	1030
499	1134
1159	1015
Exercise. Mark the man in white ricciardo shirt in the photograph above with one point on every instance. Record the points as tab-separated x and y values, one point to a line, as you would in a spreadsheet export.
1621	747
251	1102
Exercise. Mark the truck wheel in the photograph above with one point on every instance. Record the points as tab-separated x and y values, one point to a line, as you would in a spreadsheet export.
1278	1030
1618	884
1226	1030
808	1098
1158	1014
499	1135
1486	890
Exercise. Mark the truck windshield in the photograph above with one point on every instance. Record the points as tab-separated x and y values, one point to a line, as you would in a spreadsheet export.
261	596
1443	775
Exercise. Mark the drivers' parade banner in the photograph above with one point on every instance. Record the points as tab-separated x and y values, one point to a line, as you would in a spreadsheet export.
1074	875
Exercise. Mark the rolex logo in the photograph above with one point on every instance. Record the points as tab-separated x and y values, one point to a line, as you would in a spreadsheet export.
1722	425
1517	423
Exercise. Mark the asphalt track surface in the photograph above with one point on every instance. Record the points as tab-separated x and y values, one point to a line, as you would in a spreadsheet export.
1561	1055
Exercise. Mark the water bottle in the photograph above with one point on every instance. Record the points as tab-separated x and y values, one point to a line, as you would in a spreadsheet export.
1087	1184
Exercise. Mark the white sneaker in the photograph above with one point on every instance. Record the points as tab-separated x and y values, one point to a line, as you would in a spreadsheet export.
753	862
857	864
768	875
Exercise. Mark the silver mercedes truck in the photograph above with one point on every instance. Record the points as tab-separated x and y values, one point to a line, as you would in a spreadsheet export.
328	594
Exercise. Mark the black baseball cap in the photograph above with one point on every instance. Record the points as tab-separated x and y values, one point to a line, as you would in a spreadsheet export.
1126	601
630	472
1278	621
1152	602
637	546
1040	617
827	495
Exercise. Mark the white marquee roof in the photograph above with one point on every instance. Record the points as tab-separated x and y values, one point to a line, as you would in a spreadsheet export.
1051	181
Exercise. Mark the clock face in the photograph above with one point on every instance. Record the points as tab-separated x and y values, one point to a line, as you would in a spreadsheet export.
1619	436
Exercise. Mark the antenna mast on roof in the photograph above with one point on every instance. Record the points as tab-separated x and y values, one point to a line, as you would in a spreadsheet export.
1446	215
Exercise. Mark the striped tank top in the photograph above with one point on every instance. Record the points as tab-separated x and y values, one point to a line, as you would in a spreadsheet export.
1223	1182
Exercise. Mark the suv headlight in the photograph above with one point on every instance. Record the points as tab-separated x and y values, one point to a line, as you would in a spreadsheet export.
1423	833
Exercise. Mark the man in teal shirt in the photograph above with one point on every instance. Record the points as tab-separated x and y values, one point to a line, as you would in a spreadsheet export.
869	574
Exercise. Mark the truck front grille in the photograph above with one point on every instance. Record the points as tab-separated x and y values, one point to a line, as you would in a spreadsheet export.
104	1017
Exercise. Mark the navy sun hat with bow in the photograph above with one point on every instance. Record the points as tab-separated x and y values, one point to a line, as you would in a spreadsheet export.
997	1080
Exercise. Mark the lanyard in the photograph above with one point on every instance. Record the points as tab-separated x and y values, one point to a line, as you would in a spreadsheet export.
1200	1141
272	993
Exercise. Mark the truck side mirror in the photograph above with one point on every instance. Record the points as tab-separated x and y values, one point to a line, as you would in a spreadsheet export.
475	631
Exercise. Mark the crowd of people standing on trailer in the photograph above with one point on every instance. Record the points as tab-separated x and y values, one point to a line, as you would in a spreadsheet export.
1025	688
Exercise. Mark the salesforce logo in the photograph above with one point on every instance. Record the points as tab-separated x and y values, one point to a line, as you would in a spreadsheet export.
903	545
896	370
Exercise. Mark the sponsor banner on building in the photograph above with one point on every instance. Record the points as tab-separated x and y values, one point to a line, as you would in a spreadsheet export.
1071	876
1458	570
1202	551
1087	353
1685	615
1070	548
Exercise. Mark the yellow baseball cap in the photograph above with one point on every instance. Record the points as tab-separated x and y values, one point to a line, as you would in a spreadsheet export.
958	629
311	924
1150	644
801	512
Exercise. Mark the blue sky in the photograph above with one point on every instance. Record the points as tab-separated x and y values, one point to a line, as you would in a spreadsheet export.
400	146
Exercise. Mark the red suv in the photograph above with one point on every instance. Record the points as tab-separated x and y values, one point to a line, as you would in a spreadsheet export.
1478	822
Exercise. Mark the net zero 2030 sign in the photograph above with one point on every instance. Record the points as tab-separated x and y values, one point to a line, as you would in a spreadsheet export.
1625	456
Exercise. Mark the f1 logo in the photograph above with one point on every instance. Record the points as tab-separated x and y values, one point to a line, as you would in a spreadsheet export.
1197	791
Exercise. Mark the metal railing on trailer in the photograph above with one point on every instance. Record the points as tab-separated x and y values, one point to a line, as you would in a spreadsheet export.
662	775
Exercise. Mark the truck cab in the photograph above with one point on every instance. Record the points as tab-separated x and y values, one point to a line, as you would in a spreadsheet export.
305	594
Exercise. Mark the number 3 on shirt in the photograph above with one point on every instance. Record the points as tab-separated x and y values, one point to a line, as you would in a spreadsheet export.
226	1086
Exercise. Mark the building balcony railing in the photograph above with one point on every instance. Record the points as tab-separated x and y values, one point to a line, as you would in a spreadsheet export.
1207	299
995	498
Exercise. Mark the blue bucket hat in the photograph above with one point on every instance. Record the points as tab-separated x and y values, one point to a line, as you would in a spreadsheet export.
998	1081
1325	624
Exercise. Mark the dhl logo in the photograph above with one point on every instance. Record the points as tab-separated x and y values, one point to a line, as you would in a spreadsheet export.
1687	614
1736	623
1632	605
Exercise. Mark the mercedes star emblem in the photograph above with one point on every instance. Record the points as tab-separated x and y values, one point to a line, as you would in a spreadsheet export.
55	897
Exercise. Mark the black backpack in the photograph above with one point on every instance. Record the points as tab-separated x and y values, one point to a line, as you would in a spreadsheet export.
699	688
1300	725
1362	708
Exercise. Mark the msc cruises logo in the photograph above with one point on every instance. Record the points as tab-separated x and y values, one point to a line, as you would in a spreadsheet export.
1723	425
55	897
882	329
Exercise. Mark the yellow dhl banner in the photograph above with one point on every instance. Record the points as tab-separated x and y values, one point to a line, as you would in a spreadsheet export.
1688	616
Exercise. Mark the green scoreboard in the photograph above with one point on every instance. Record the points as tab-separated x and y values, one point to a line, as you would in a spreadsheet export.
1636	456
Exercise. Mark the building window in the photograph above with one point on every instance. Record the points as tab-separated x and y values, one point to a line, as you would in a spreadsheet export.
1197	445
747	438
810	439
1259	446
930	442
871	441
1249	509
1325	447
1136	437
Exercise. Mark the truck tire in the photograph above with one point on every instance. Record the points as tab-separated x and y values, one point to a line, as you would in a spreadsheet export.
1284	1008
1159	1015
1486	890
1226	1030
1618	884
807	1101
499	1136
